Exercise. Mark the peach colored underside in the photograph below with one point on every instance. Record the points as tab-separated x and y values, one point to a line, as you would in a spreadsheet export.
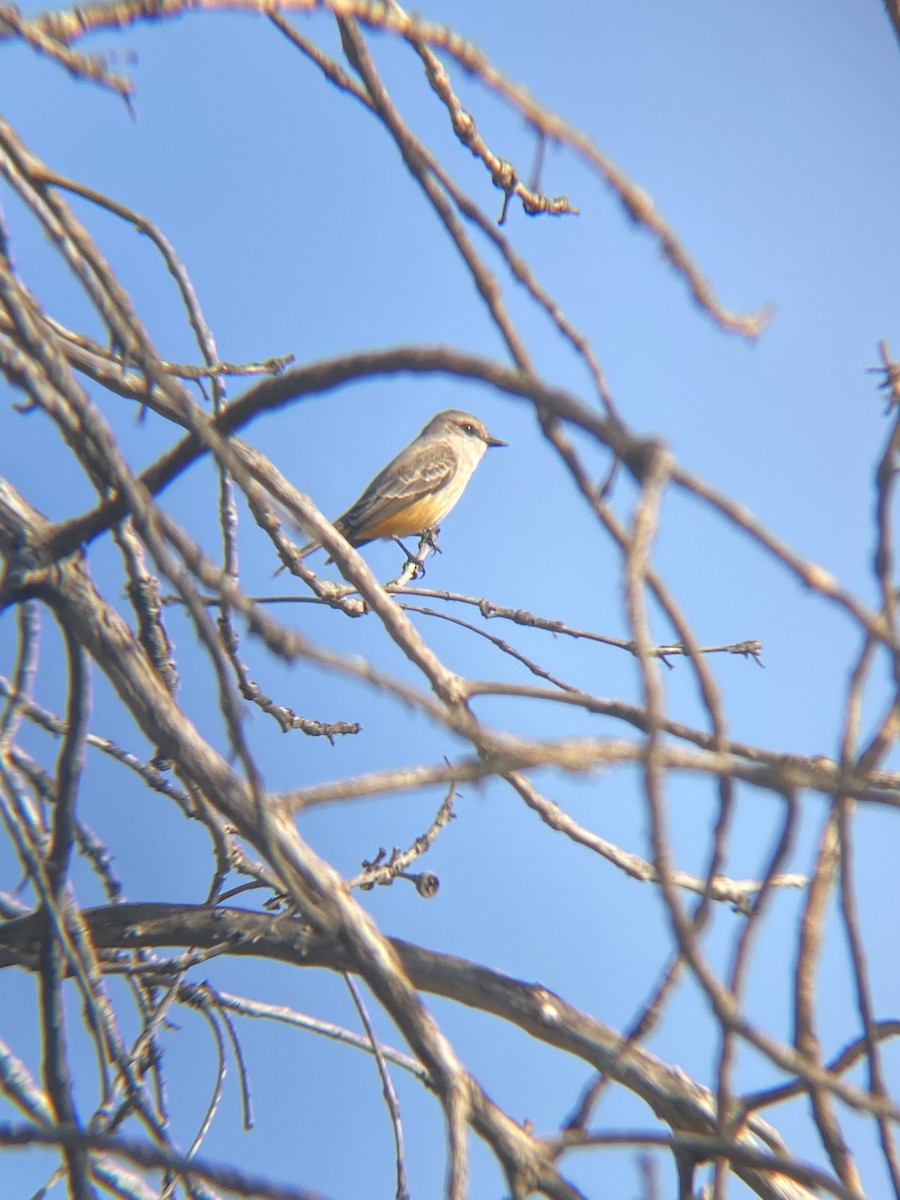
418	517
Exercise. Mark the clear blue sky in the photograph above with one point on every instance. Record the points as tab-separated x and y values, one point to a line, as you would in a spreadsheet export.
767	135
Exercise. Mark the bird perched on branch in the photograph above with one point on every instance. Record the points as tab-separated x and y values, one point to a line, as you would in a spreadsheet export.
417	489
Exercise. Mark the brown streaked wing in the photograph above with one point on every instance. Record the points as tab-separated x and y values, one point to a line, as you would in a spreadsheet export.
418	472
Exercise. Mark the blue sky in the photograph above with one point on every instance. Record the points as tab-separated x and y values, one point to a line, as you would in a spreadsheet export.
767	136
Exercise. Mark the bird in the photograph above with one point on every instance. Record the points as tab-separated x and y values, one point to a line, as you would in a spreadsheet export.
419	487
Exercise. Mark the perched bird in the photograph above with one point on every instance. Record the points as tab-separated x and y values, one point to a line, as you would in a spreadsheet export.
417	489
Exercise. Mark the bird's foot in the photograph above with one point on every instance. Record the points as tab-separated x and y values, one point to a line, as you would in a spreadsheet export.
429	538
417	563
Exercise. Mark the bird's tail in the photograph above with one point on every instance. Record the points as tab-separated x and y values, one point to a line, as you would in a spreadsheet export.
303	552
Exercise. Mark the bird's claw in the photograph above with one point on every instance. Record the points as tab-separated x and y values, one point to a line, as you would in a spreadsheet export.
417	562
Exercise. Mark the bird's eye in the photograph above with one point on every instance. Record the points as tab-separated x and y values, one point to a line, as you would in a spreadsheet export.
468	427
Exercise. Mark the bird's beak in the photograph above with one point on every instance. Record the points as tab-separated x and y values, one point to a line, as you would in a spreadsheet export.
492	441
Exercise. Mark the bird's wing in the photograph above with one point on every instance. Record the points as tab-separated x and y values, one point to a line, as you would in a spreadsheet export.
417	472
